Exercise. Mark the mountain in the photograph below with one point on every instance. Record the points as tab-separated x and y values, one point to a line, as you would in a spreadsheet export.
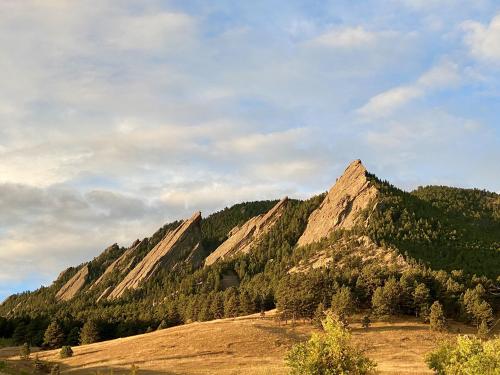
241	238
364	234
351	194
182	244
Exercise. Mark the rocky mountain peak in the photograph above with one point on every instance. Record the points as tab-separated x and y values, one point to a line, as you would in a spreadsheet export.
351	193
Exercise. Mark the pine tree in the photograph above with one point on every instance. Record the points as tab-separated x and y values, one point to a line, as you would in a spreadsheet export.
217	306
343	302
231	307
246	303
89	333
421	297
437	319
54	336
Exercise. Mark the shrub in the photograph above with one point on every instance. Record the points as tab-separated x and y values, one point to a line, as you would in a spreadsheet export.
366	322
331	353
467	356
66	352
25	351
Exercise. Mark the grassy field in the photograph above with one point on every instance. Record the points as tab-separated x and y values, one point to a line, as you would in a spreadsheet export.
246	345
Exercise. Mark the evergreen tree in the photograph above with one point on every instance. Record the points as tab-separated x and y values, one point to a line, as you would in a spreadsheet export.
73	336
231	307
421	298
20	333
247	305
437	319
89	333
217	306
343	302
54	336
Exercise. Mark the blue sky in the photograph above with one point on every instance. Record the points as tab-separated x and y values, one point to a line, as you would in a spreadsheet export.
117	116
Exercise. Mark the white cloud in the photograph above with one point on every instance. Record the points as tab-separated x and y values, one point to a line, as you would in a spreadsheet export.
443	75
483	40
348	37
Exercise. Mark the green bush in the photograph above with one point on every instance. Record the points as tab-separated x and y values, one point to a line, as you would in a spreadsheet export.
66	352
467	356
331	353
25	351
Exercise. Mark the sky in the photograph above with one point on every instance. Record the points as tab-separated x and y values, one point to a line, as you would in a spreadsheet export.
119	116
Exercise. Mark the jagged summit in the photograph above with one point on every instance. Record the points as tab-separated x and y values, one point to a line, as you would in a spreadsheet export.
240	239
340	209
180	244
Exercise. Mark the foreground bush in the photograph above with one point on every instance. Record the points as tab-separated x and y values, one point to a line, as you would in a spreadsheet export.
66	352
466	356
331	353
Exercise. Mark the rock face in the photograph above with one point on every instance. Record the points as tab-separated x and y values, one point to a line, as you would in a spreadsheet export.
121	264
340	209
74	285
240	239
178	245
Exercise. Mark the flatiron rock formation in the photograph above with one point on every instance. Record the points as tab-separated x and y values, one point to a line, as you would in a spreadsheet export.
178	245
240	239
122	264
74	285
340	209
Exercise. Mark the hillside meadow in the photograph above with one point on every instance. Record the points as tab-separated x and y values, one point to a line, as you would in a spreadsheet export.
245	345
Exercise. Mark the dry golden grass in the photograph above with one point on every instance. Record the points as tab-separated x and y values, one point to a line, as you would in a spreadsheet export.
246	345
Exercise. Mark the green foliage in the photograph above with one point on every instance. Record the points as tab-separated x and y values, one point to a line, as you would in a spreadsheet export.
421	300
448	228
66	352
54	336
467	356
331	353
343	302
319	316
476	307
437	319
89	333
216	227
25	351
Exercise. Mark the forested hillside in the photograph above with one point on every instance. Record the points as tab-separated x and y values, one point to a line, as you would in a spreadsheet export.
400	253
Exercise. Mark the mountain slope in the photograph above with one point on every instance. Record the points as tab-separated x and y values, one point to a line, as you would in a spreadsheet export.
181	244
364	234
241	238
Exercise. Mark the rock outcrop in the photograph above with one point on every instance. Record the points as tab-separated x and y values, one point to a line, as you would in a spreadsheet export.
74	285
122	264
179	245
340	209
240	239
